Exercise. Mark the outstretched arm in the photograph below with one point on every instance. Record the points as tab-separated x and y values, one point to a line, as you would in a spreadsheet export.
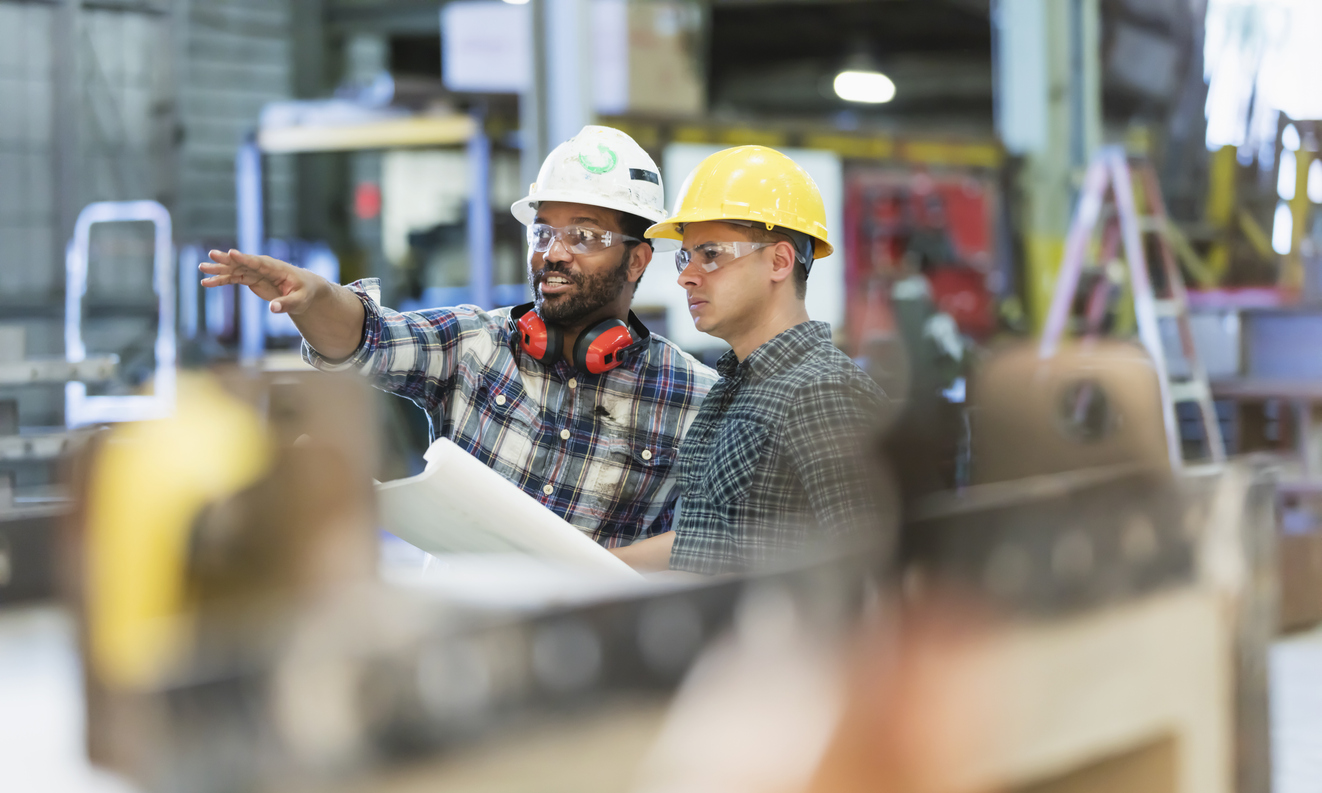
328	315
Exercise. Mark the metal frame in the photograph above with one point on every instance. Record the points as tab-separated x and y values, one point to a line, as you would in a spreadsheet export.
79	408
1110	172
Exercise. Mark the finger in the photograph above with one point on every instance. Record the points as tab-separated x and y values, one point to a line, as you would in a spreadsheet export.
253	262
219	256
217	280
260	267
213	269
292	303
239	259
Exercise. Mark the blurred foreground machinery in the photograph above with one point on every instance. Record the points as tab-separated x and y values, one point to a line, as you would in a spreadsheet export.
1081	618
31	452
1167	577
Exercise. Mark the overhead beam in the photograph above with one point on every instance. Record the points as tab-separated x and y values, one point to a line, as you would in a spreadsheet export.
387	16
982	7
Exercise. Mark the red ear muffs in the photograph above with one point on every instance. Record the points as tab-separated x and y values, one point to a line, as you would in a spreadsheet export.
543	342
598	348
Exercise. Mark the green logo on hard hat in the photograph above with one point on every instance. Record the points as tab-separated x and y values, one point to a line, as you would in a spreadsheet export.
607	168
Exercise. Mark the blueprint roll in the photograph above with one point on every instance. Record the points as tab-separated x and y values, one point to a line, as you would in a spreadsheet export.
460	506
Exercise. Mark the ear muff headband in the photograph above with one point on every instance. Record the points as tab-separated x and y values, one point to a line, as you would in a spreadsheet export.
598	348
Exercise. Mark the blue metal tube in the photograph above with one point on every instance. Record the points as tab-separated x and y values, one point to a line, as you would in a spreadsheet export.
480	231
251	235
189	256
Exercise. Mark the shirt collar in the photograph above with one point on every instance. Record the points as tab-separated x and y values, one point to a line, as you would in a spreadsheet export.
784	351
636	354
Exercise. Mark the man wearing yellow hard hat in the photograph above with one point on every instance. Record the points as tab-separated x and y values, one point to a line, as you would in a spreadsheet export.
773	465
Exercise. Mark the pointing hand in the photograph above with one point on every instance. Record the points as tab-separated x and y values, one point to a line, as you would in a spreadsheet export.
288	288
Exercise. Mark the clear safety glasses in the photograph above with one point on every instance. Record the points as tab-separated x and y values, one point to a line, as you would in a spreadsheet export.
577	239
712	255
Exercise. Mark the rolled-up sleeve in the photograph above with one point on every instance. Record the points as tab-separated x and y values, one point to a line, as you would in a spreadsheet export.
368	291
413	354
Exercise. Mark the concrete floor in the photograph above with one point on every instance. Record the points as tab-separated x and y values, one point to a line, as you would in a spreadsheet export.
1296	669
41	716
41	707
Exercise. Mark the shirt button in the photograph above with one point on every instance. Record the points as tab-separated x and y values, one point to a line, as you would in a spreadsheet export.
548	490
564	434
647	454
500	399
573	383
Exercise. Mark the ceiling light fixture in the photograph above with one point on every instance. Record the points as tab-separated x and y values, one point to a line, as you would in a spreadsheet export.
1290	138
867	87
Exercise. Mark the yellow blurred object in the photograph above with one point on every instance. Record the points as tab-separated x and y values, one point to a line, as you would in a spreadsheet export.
1224	172
1138	140
1201	272
1043	254
751	183
1222	176
148	486
1256	235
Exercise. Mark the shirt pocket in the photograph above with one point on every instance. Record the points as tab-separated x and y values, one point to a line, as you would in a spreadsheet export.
733	461
500	428
629	469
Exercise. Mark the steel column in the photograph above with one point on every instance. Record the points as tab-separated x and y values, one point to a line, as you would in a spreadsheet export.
480	230
251	238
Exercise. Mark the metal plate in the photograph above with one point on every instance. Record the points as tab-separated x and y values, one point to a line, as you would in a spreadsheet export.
27	554
94	368
1056	545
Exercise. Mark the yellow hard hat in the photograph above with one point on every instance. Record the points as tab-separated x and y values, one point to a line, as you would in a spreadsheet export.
753	184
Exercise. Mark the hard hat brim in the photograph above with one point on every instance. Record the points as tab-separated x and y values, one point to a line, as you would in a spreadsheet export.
753	184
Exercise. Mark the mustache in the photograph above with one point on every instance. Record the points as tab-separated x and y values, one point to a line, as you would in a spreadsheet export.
543	273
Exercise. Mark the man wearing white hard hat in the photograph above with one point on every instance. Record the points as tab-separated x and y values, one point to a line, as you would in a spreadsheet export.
570	397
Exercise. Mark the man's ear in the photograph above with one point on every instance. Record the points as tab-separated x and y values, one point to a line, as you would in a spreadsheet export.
782	261
638	261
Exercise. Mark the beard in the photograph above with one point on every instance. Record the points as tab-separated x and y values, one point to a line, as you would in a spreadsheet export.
590	292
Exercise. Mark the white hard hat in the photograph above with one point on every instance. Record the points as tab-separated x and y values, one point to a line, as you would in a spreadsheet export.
600	167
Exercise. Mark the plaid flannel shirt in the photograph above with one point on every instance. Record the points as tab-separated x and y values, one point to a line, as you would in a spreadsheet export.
778	459
597	450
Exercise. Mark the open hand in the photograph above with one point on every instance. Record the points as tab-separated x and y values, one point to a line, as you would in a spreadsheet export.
288	288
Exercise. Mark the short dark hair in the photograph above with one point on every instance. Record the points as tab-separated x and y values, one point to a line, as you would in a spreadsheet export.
758	233
635	226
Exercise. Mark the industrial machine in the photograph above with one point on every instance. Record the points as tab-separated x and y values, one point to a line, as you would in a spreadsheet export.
238	636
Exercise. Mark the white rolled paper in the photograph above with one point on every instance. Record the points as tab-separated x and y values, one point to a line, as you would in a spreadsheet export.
458	505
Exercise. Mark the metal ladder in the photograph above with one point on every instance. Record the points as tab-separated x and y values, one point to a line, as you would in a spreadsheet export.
1111	173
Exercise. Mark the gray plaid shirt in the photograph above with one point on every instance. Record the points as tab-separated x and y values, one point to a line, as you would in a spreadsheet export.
777	461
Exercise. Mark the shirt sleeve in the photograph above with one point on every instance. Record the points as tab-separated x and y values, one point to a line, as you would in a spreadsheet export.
414	354
830	437
665	520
